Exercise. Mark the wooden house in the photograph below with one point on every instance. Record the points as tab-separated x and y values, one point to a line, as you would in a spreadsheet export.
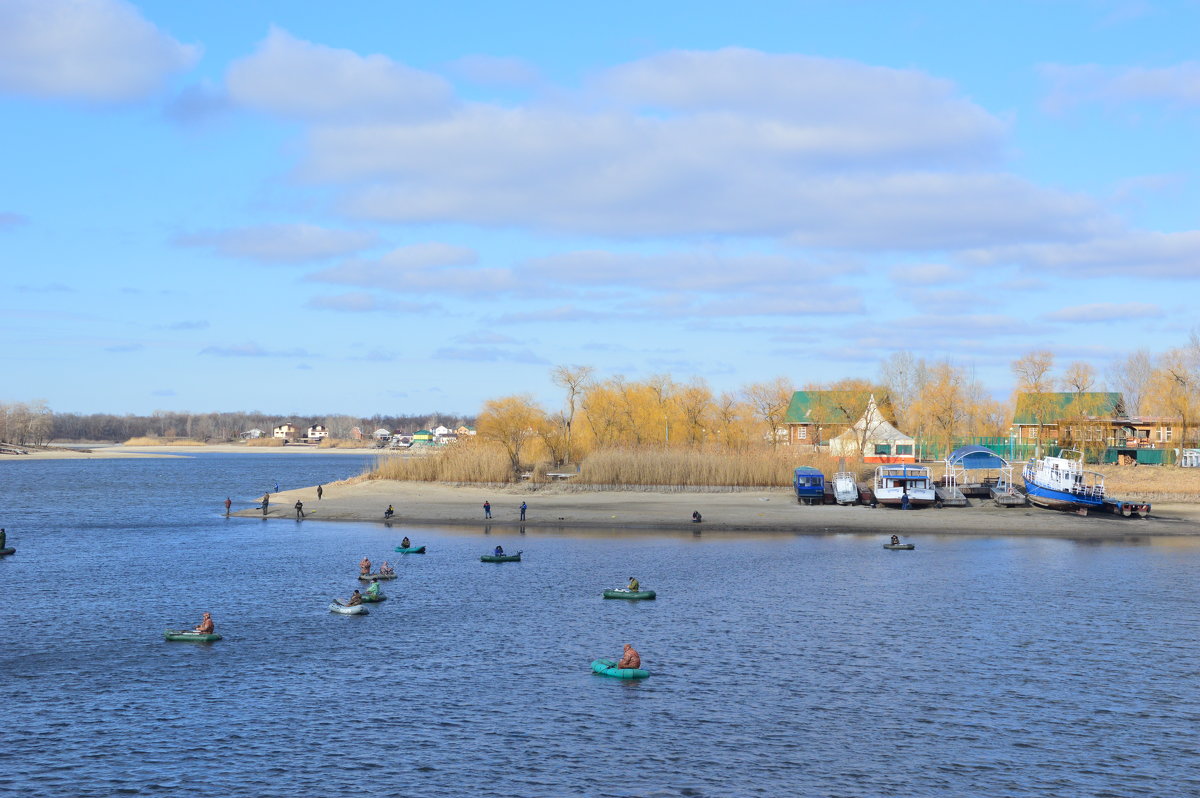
287	430
874	439
814	418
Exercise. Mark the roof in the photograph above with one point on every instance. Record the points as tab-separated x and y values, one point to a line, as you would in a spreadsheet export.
808	470
1058	405
829	407
877	429
976	457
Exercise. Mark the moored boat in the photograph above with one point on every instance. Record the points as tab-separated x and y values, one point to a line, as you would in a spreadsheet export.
188	636
896	484
1062	483
501	557
845	487
342	609
622	593
606	667
411	549
369	577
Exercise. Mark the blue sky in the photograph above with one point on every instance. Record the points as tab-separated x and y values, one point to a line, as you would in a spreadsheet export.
388	207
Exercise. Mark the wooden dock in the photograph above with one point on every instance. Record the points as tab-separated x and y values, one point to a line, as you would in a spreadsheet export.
950	496
1003	499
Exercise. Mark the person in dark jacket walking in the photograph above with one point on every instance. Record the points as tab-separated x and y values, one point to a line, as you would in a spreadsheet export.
524	507
320	492
266	503
487	509
299	509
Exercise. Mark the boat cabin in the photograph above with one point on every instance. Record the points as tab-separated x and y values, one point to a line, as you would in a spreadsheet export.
810	485
904	485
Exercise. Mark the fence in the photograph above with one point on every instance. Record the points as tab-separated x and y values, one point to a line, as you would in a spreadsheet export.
1010	449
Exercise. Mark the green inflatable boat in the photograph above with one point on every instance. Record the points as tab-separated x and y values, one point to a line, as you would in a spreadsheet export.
899	546
8	551
369	599
606	667
622	593
501	558
411	550
186	636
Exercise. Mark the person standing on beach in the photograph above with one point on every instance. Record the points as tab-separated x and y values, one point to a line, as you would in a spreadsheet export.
487	509
524	507
228	504
276	486
266	503
299	509
320	492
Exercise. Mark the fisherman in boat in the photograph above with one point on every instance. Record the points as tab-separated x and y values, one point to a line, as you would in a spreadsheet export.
355	599
206	625
364	566
630	659
373	590
895	540
499	552
404	544
389	512
386	569
695	516
633	585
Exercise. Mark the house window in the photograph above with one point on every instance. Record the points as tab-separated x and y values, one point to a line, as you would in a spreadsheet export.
802	432
883	448
904	448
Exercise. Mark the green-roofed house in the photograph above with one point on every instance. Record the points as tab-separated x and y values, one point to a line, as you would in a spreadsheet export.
815	417
423	437
1084	417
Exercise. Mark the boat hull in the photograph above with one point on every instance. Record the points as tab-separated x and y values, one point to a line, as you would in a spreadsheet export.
380	577
7	551
184	636
899	546
501	558
342	609
630	594
895	498
1059	499
606	667
411	550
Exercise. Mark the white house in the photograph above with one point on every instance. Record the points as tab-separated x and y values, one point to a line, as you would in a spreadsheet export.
878	440
439	431
382	434
317	431
287	430
251	433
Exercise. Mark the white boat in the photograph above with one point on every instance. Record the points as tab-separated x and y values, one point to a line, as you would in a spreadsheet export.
845	487
339	607
894	482
1062	483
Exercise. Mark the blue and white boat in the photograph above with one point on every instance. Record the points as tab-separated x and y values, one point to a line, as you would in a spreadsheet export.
1062	483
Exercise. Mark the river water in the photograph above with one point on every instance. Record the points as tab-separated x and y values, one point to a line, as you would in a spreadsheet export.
781	665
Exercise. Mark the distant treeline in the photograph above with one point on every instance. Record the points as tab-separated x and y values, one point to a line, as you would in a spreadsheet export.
35	423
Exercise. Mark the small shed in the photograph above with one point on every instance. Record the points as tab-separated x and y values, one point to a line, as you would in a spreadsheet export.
810	485
1190	458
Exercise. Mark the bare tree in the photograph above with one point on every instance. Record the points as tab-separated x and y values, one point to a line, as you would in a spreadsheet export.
1130	376
574	380
769	402
1034	380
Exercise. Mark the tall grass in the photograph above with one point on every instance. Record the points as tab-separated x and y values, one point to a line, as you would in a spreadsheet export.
265	442
345	443
149	441
482	462
474	461
1151	483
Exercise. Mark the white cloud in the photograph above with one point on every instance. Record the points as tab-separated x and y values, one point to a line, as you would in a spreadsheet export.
1071	85
421	269
295	78
1144	254
1105	312
92	50
280	243
488	355
490	70
923	274
363	302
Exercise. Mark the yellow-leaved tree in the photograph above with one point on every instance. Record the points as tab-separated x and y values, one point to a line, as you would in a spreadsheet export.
512	422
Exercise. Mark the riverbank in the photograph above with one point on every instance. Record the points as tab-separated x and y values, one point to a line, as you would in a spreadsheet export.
436	504
113	451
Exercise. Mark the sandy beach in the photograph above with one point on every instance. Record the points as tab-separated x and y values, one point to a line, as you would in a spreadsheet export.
434	504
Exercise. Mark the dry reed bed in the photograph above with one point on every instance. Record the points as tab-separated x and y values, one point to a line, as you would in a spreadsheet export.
264	442
148	441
